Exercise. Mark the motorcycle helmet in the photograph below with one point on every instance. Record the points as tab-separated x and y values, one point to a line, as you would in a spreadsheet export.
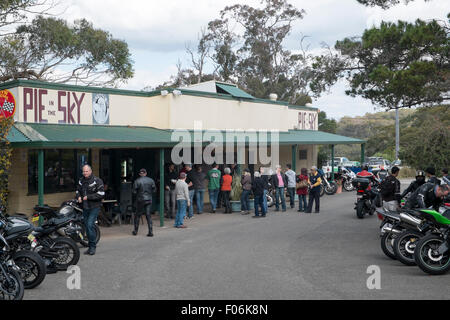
420	176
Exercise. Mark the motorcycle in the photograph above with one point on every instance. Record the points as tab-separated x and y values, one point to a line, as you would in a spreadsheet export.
76	229
328	187
11	283
365	198
432	252
347	178
32	267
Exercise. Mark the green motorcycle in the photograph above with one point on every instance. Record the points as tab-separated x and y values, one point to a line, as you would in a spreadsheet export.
432	252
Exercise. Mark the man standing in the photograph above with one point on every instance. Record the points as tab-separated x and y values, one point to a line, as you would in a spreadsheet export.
198	179
265	179
90	192
143	187
390	191
214	185
182	191
291	182
189	173
258	186
169	191
314	194
279	181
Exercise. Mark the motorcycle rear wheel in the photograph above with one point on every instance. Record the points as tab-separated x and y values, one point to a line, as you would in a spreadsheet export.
360	209
85	242
69	253
387	245
404	245
427	259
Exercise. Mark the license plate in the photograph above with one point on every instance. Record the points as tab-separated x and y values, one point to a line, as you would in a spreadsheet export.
34	219
358	197
80	235
31	237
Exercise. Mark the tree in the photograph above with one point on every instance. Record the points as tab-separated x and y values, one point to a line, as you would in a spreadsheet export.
385	4
247	48
50	49
325	125
395	65
426	141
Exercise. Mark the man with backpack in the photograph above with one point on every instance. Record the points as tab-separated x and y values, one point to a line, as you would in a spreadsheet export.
390	190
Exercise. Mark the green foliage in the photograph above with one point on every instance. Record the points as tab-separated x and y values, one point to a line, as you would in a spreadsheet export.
326	125
43	48
385	4
426	141
5	159
394	65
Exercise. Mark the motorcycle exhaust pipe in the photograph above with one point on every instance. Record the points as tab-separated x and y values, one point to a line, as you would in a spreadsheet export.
61	232
390	229
410	220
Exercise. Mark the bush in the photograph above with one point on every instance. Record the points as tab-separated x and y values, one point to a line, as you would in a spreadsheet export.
406	172
236	188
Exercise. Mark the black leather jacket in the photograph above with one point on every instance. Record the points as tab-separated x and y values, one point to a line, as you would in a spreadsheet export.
424	197
93	188
413	187
143	187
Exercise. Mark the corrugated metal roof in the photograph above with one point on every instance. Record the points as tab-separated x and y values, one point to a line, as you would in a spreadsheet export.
31	135
15	136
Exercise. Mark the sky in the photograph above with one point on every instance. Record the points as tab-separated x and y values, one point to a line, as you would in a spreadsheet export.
157	33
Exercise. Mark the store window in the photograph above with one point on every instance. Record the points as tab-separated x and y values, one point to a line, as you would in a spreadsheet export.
303	154
62	169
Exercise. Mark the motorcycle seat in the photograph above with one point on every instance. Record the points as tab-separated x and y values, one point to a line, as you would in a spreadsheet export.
44	209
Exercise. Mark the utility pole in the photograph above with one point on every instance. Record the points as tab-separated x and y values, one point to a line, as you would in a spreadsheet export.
397	133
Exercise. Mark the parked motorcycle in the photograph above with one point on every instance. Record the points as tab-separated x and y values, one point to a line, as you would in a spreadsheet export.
365	198
11	283
76	229
432	252
347	178
32	267
328	187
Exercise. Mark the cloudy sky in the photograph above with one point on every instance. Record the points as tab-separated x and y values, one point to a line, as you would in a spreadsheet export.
157	32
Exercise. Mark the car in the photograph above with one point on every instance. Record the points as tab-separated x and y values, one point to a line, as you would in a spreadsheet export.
377	165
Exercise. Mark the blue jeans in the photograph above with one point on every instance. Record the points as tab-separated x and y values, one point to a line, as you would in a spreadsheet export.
191	199
199	194
280	195
213	194
291	192
259	202
90	216
302	203
181	212
244	200
265	200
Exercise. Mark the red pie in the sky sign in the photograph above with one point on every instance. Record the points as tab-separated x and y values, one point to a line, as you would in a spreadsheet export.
7	104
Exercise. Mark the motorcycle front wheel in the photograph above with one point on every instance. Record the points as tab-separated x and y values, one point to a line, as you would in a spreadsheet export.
348	186
322	190
32	268
427	257
330	190
12	289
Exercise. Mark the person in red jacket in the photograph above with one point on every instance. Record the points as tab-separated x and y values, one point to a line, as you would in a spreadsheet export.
227	179
302	192
366	174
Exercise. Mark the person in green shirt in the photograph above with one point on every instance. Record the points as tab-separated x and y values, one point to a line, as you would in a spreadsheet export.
214	185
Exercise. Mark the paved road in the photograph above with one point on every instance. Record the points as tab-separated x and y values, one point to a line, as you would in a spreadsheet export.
284	256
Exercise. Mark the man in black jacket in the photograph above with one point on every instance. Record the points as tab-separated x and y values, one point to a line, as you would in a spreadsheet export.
390	190
431	174
428	195
258	187
90	192
170	200
420	180
143	187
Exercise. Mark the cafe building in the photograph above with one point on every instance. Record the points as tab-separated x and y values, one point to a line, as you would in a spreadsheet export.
58	128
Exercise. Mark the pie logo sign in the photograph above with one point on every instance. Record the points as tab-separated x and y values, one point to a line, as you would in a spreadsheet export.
7	104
